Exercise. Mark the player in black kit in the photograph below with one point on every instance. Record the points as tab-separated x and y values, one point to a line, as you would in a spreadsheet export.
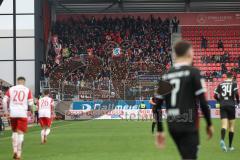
181	104
226	93
156	111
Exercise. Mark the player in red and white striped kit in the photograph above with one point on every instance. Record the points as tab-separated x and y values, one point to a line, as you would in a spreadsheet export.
18	98
45	110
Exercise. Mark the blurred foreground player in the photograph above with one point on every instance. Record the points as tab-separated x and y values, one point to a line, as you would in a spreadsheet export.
156	112
1	125
45	110
181	104
226	93
19	98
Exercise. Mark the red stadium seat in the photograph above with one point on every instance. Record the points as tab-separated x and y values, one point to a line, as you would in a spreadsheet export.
230	35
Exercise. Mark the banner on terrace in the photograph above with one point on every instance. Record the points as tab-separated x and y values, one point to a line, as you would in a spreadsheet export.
134	114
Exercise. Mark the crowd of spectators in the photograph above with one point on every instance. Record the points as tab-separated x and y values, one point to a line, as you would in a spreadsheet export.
223	59
210	75
143	43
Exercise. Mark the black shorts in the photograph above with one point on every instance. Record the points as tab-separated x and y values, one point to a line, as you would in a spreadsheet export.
187	144
228	112
36	113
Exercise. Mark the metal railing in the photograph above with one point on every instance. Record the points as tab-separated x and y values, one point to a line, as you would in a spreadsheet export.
130	89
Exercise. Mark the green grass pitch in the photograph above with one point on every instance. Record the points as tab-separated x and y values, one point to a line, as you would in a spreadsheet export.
110	140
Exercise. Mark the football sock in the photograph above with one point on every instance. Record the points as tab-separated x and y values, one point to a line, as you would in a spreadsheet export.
231	134
47	131
42	134
153	126
223	132
19	144
14	141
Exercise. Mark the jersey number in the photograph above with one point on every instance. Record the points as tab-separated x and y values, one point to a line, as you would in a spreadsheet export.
19	96
44	104
227	89
176	83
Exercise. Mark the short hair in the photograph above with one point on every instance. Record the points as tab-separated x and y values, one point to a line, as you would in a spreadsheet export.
229	75
21	79
182	47
46	92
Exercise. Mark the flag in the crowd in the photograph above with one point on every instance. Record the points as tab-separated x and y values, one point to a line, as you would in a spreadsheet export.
116	51
65	52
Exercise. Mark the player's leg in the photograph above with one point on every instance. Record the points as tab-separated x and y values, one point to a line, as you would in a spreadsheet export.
47	129
20	143
15	143
231	117
46	124
37	117
42	135
153	126
42	123
231	133
13	122
154	121
1	125
189	145
177	139
21	129
224	126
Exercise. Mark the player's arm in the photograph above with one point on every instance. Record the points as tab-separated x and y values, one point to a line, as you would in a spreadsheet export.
235	90
5	102
237	97
30	101
160	136
200	90
205	109
151	101
217	93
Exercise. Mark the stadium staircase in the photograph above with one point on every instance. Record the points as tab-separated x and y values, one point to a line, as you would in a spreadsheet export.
230	35
176	37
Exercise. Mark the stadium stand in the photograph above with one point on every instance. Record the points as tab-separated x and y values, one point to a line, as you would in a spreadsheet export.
81	54
216	51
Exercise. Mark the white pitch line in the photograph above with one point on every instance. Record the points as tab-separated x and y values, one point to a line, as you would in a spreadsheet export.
5	138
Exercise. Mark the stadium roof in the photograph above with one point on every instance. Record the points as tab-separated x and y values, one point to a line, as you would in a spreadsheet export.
110	6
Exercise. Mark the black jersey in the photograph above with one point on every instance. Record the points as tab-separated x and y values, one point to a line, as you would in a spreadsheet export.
181	103
226	93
